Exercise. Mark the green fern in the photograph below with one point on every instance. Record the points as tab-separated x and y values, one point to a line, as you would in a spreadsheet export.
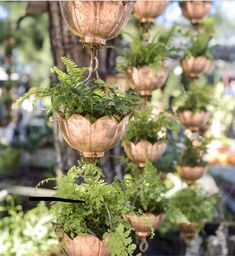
102	200
192	205
152	53
146	125
94	100
145	189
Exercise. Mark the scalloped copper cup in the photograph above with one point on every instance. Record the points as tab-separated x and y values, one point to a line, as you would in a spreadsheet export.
96	21
194	66
92	139
144	150
195	11
85	245
188	230
146	79
192	120
145	223
191	173
147	11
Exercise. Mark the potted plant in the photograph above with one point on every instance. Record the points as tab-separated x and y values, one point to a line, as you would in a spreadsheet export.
146	135
193	109
147	11
145	191
96	21
92	117
189	209
144	62
195	11
198	55
95	227
191	165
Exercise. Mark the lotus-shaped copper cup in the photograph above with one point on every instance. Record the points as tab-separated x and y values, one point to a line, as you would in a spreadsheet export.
96	21
192	120
188	230
195	11
147	11
92	139
191	174
143	224
194	66
144	151
146	79
85	245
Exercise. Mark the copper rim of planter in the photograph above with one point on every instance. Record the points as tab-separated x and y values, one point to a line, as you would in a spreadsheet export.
196	11
92	139
144	150
193	120
146	79
147	11
143	224
96	21
191	173
84	245
194	66
187	230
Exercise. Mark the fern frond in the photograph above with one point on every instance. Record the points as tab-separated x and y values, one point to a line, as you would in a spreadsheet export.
40	92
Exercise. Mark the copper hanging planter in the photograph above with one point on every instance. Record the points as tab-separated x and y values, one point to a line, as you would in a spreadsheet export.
191	174
92	139
192	120
194	66
147	11
143	226
188	230
96	21
144	150
85	245
195	11
146	79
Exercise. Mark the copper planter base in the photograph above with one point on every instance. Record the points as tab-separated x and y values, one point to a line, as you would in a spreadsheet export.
191	174
143	226
196	11
188	230
144	151
85	245
147	11
92	139
194	66
96	21
193	121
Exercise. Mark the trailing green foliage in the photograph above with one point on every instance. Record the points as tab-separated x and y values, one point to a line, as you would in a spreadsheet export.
198	98
193	205
147	125
72	96
102	212
9	158
199	41
29	233
141	53
193	152
145	189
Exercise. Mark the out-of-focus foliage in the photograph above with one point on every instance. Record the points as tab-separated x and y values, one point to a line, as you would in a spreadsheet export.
193	152
24	234
193	205
199	97
147	125
146	53
9	158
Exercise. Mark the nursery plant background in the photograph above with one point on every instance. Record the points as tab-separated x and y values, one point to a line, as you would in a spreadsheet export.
33	38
